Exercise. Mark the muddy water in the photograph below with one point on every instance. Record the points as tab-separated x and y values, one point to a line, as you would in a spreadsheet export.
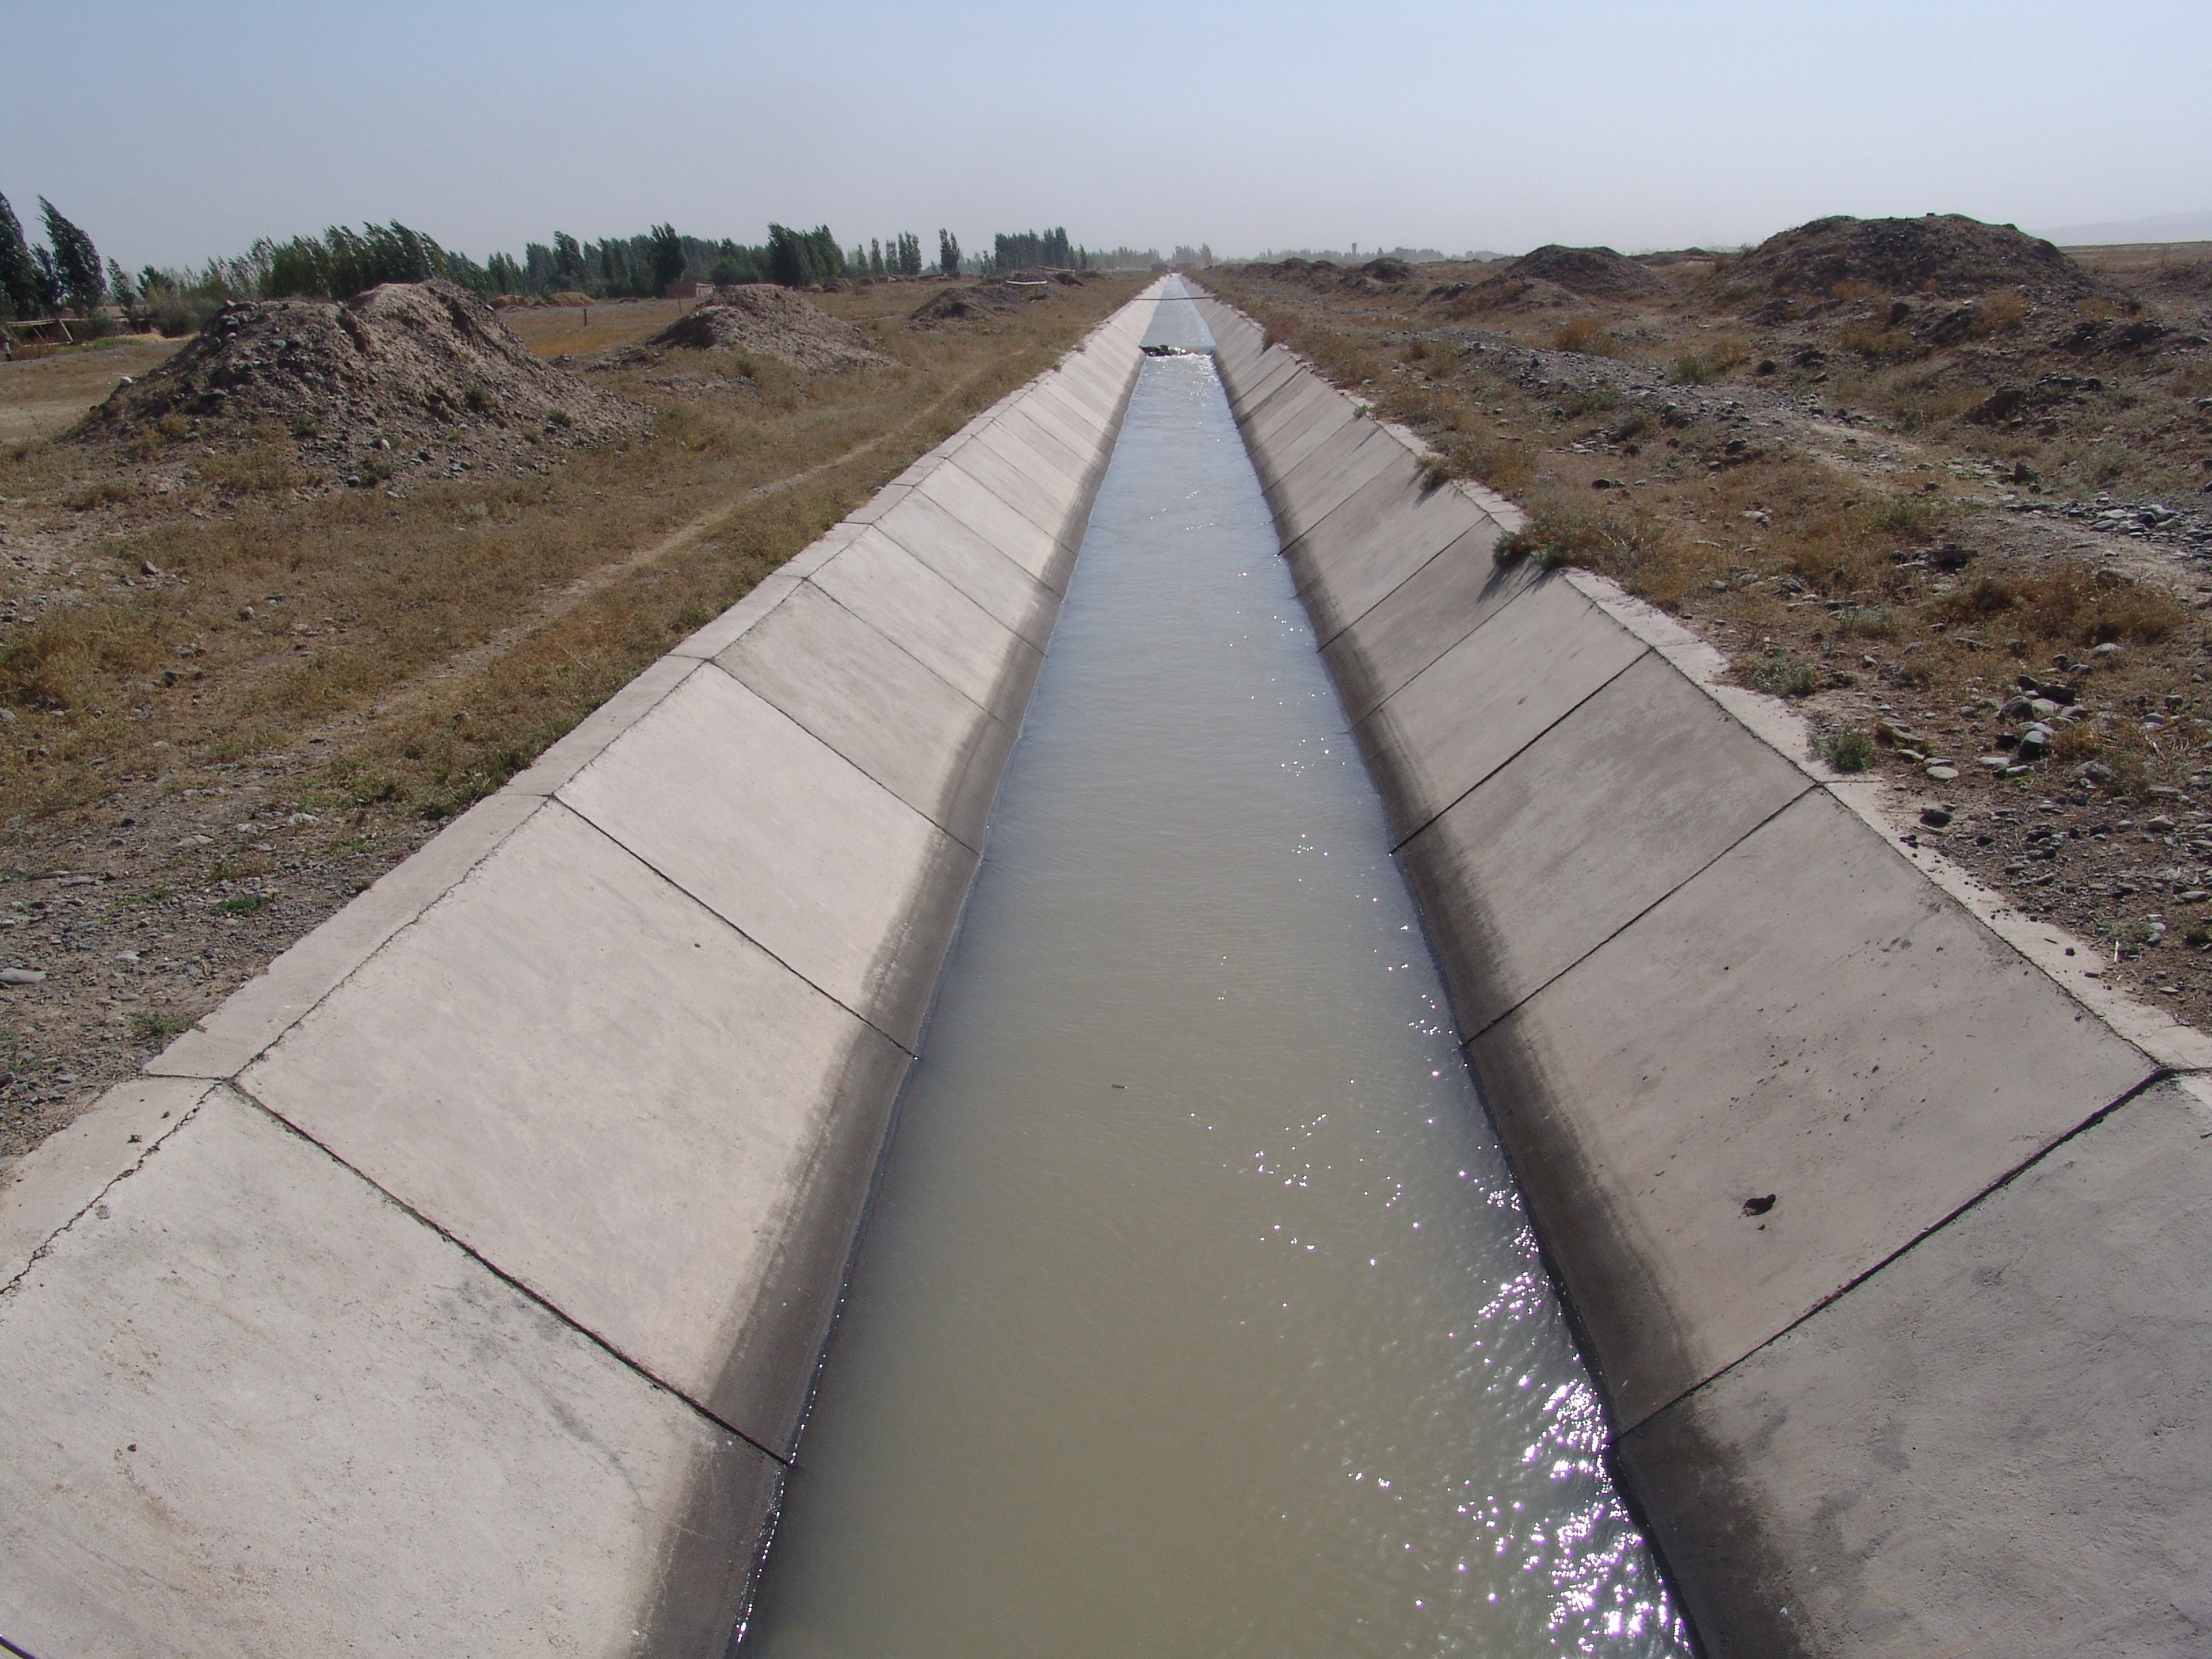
1198	1314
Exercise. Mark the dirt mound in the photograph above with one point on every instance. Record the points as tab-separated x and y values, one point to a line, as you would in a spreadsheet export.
1386	270
770	322
1595	273
967	304
1504	290
370	386
1945	254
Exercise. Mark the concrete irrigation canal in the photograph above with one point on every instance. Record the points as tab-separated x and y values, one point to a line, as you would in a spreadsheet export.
1197	1313
463	1285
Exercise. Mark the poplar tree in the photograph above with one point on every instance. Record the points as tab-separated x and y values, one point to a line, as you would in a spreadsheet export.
668	257
948	253
76	261
19	277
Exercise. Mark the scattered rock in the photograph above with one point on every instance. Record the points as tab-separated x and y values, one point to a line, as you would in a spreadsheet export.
1935	816
21	977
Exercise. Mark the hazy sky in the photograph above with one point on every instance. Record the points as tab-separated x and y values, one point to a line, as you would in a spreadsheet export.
174	131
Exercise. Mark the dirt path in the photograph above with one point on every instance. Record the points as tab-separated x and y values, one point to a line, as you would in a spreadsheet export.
417	693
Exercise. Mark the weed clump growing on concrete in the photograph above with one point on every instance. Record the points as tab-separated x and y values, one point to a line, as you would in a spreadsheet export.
1849	749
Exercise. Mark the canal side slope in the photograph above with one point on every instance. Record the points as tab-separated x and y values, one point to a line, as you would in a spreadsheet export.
457	1286
1884	1224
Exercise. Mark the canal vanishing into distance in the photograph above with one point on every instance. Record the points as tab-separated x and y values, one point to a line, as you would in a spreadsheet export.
1197	1313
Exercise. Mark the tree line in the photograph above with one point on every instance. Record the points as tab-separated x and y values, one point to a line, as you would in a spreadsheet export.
66	270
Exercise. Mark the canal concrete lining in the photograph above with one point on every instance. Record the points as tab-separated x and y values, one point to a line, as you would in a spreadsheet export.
1884	1223
458	1284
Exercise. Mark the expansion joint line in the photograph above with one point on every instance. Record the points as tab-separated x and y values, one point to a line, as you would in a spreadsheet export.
2162	1075
602	1343
1534	738
662	875
85	1208
1536	991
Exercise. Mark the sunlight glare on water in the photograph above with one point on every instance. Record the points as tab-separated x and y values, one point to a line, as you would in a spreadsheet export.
1198	1314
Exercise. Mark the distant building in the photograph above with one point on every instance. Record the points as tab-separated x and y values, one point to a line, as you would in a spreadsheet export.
688	291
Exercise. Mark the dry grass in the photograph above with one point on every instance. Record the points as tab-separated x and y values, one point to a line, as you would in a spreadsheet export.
49	394
1881	592
241	698
1588	336
583	330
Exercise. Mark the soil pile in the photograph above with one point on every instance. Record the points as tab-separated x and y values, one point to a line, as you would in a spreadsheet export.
968	304
1944	254
1595	273
373	384
1504	290
770	321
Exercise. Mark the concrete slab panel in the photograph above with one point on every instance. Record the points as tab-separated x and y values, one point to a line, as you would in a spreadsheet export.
569	755
1996	1444
1333	476
266	1412
718	635
1284	417
1244	357
879	708
935	624
46	1190
898	489
1427	614
1603	816
789	842
1312	445
823	548
1237	345
1082	390
1276	375
1086	387
1047	502
1260	380
1008	593
1044	421
1488	697
983	509
1352	559
1055	443
260	1010
1807	1021
1284	414
1042	460
1084	411
1076	430
610	1095
1300	435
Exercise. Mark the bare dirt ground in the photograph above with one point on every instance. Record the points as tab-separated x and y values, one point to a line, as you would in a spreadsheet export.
236	687
1947	489
48	394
